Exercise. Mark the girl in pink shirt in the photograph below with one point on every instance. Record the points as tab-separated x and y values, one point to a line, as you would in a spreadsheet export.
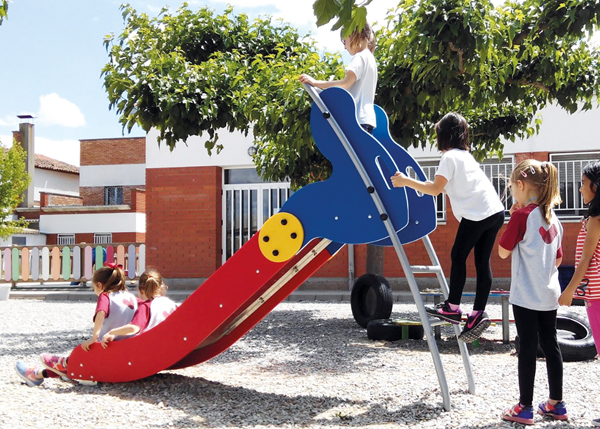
153	309
115	307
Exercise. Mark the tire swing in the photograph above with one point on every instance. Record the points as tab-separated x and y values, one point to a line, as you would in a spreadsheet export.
574	337
371	299
394	330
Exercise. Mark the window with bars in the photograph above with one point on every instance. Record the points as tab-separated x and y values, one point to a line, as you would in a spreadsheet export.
113	195
569	166
102	238
65	239
498	171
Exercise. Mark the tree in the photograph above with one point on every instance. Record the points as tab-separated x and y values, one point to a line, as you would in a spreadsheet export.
496	66
3	10
197	72
14	180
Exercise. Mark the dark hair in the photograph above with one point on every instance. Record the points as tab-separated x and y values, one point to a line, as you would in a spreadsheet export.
592	172
452	132
112	279
150	283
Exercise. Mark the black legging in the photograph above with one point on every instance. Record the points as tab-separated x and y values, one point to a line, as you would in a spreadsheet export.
481	236
532	324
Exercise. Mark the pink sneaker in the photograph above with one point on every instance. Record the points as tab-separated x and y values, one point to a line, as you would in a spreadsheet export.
55	364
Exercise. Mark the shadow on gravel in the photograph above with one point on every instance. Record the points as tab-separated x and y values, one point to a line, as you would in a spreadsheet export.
213	404
55	342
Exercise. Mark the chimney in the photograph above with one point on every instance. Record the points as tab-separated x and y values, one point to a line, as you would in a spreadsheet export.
27	143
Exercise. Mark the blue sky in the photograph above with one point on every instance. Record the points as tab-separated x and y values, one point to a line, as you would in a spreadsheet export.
52	54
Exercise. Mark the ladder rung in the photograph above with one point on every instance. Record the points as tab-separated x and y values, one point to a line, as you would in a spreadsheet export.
426	268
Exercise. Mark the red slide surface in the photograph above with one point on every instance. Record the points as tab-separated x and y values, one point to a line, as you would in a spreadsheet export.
226	306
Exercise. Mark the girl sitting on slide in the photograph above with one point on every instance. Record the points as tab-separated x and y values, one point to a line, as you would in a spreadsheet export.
115	307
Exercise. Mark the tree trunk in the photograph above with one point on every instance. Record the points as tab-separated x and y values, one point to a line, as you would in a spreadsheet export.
374	259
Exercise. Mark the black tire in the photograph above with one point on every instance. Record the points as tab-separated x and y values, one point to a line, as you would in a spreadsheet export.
574	337
389	330
371	299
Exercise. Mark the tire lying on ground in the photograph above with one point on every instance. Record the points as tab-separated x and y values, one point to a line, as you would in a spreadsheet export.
574	338
390	330
371	299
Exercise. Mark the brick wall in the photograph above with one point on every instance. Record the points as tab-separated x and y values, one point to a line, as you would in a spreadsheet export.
49	199
183	221
94	195
113	151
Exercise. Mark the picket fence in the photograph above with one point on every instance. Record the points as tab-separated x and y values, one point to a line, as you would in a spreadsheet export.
68	263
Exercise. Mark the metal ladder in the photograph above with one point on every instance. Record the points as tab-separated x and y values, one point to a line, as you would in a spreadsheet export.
409	270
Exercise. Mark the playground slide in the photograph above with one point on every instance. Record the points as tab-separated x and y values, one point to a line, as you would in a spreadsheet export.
291	246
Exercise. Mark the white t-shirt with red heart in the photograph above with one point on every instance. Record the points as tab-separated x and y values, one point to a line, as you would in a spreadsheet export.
119	308
535	246
152	312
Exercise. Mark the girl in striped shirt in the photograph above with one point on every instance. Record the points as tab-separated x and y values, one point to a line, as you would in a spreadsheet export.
587	254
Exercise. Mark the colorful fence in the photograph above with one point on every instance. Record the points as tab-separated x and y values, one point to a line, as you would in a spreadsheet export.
68	263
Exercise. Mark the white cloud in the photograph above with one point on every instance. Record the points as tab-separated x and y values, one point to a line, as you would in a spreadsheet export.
55	110
62	150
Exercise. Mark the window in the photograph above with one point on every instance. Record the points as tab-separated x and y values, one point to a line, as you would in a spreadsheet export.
19	241
569	168
102	238
429	168
499	171
113	195
65	239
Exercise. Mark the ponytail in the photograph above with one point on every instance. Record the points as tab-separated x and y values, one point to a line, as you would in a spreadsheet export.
111	276
151	283
544	176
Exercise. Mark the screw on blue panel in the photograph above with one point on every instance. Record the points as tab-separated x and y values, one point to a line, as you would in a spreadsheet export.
370	189
383	216
326	115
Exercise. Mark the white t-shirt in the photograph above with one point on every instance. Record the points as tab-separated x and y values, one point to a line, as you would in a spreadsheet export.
364	67
471	193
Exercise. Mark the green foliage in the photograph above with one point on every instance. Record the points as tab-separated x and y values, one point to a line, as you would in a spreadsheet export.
197	73
14	180
496	66
3	10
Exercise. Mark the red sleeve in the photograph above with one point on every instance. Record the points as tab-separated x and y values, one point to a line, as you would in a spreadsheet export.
515	230
559	252
102	305
141	318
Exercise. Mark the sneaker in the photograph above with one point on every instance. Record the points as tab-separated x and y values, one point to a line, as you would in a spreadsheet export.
28	374
55	364
519	414
557	412
474	327
443	311
596	422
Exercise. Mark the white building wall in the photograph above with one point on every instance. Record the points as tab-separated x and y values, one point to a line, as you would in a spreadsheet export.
559	132
93	223
31	240
54	181
194	154
112	175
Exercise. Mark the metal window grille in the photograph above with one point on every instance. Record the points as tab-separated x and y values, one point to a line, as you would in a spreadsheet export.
245	208
429	168
569	168
499	171
65	239
102	238
113	195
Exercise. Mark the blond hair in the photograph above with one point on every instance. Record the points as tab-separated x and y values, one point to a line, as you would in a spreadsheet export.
367	33
544	177
151	283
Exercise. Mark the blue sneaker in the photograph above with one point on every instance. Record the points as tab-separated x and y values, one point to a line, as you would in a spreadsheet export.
28	374
519	414
557	412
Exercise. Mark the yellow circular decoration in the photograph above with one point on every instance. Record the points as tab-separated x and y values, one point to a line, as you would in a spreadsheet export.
281	237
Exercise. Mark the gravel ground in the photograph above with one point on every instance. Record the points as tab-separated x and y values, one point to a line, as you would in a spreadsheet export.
307	364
